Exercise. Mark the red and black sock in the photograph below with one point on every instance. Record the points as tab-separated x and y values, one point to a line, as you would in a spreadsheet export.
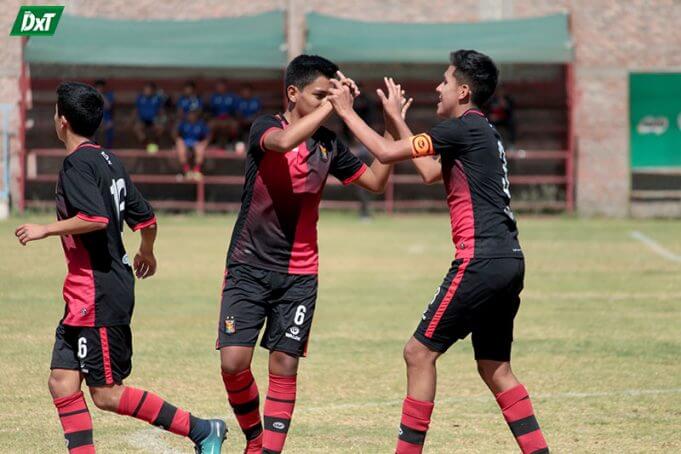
414	425
242	393
76	422
517	409
185	168
149	407
281	398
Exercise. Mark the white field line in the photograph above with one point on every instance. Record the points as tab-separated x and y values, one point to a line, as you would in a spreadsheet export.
488	397
655	246
151	440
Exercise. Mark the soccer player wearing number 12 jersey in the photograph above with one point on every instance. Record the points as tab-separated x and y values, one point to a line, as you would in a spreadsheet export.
93	341
480	293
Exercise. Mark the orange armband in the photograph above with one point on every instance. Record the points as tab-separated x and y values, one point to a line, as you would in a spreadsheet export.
421	145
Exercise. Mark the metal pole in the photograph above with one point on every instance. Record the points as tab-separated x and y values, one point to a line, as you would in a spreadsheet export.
295	28
571	149
23	88
5	109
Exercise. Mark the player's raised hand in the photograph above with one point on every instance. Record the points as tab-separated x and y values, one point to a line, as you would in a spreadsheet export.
354	89
392	101
144	264
30	232
340	97
406	104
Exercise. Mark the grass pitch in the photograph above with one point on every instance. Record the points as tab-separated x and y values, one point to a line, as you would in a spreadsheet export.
598	338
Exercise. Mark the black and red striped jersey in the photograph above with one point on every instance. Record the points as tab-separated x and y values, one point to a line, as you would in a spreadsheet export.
475	175
277	224
99	286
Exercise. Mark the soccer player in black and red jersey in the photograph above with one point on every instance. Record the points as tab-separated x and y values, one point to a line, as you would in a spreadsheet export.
95	198
272	261
480	293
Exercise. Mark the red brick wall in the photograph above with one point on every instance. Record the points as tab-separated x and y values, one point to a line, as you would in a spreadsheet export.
611	39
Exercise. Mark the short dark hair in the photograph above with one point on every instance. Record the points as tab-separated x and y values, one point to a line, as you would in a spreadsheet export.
150	84
478	71
82	105
304	69
99	83
190	83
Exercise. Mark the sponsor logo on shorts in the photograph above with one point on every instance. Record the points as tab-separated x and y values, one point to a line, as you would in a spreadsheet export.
293	333
230	325
279	425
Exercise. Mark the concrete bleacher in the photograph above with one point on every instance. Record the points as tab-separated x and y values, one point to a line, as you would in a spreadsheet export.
538	165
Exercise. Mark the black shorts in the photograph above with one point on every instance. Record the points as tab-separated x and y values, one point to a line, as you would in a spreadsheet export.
478	296
103	355
250	295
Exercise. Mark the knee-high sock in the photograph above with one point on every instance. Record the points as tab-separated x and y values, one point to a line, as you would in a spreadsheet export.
148	407
281	399
413	426
242	393
517	409
77	424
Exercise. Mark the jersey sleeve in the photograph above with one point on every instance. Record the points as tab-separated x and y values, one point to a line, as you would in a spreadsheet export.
261	127
138	212
82	193
346	166
447	137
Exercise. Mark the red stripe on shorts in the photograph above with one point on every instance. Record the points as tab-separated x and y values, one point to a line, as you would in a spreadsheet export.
449	296
106	358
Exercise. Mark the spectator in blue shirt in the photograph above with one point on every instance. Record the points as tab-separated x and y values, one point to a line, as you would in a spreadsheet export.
223	124
150	118
105	133
247	108
189	100
193	135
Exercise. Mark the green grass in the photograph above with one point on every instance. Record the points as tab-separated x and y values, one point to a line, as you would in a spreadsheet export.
598	338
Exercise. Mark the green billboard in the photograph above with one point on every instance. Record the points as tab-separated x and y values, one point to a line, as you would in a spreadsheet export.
655	120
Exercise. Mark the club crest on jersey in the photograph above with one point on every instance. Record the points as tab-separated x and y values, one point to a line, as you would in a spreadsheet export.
324	152
230	325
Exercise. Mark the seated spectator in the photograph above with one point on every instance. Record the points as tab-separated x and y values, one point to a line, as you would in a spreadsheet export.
105	133
193	136
149	117
189	100
501	114
247	108
223	125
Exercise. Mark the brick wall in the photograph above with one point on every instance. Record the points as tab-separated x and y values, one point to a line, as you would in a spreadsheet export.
611	39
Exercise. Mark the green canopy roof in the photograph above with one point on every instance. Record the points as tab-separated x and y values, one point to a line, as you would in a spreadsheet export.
533	40
239	42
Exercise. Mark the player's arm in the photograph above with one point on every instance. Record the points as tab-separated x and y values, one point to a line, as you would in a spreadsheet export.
283	140
145	261
430	169
385	150
376	176
73	226
140	216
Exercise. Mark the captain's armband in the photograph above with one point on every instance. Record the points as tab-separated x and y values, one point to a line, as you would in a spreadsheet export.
421	145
